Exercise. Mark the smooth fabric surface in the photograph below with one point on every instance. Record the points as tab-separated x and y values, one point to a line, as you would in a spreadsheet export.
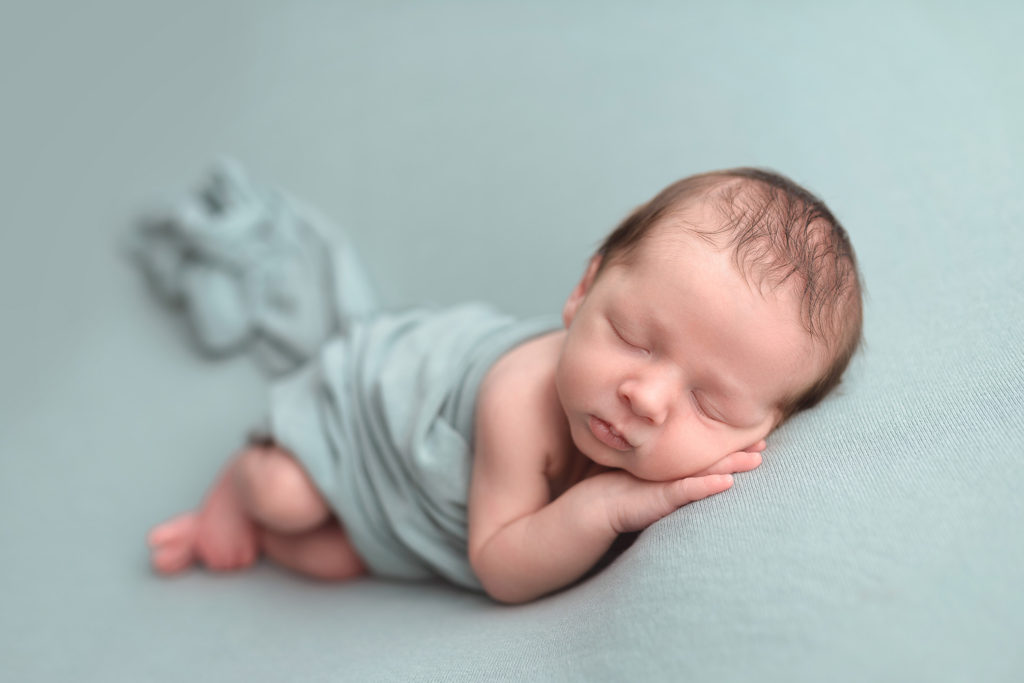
480	151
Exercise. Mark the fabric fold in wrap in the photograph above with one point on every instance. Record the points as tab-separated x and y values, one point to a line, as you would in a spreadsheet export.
253	269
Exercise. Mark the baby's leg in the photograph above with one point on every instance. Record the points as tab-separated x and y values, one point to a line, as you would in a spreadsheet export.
275	491
263	486
323	553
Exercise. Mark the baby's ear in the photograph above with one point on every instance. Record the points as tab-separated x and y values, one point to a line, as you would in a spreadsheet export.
579	293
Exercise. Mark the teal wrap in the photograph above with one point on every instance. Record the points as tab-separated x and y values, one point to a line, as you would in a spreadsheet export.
253	269
382	420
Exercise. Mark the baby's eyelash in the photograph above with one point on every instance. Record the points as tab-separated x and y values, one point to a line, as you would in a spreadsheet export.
697	405
624	340
702	411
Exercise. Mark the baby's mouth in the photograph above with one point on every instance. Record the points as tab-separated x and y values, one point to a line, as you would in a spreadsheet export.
608	435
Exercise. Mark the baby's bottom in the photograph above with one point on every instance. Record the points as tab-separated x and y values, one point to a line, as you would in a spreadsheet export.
262	501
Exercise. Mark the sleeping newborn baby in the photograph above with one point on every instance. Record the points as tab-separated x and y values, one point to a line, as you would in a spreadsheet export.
508	455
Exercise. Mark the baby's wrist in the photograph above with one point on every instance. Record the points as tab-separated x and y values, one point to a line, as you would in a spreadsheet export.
588	503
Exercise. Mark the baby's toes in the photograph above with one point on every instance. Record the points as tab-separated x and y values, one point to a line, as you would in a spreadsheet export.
175	531
173	543
172	558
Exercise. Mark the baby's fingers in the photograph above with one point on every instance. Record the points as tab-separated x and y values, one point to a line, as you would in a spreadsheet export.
640	505
692	489
741	461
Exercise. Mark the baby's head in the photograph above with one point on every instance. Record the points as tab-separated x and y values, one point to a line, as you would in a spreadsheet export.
780	236
712	314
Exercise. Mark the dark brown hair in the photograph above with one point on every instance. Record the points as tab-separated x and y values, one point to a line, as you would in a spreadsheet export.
777	231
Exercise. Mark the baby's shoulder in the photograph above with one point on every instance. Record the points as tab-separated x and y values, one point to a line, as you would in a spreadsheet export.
524	376
526	366
518	401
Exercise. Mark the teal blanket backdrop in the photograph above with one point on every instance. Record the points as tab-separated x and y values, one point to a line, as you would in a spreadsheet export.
480	151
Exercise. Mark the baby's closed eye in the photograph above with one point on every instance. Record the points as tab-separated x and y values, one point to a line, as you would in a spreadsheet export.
705	408
626	338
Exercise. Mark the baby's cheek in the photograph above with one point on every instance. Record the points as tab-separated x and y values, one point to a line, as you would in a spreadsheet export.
576	368
567	381
694	451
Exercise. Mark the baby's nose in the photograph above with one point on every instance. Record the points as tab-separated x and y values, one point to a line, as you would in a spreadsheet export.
649	399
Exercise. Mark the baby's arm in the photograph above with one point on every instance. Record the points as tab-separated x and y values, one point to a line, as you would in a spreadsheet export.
522	546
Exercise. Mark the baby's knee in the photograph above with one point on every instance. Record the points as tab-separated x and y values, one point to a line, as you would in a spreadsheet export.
276	491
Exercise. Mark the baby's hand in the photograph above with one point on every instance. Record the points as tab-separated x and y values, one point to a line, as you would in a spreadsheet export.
633	504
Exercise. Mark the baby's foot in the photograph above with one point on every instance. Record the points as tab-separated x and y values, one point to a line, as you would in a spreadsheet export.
173	543
226	538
